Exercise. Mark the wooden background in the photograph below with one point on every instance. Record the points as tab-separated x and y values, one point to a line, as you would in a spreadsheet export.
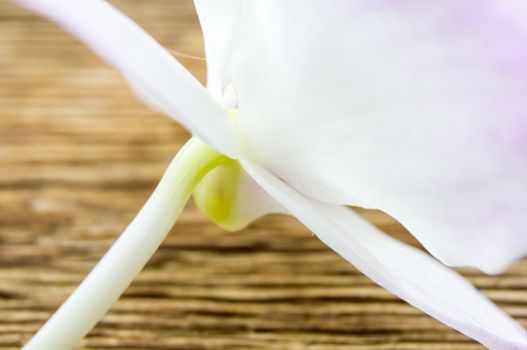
78	157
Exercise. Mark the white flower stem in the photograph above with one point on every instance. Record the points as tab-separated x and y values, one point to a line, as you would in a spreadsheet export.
129	254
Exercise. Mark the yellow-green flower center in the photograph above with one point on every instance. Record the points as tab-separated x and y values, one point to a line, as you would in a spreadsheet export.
218	192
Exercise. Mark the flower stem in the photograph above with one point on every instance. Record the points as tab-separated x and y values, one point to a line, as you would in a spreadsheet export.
129	254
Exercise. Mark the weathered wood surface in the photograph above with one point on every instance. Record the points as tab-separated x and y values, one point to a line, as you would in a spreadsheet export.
78	157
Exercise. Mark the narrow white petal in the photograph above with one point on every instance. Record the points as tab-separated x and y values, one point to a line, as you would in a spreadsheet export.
220	22
407	272
148	66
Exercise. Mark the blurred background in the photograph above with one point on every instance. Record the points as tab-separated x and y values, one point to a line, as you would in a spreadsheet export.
79	155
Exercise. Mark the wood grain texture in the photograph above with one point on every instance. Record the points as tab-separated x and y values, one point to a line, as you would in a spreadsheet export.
78	157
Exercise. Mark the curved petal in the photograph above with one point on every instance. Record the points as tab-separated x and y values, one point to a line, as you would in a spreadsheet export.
220	22
407	272
147	65
413	107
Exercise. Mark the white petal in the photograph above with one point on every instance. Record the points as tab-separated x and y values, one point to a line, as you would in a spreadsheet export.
413	107
407	272
150	68
220	24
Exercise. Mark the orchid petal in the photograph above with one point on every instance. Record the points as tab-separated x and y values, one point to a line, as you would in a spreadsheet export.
219	22
413	107
407	272
152	71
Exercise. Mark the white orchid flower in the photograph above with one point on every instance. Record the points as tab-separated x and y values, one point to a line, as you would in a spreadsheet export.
417	108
